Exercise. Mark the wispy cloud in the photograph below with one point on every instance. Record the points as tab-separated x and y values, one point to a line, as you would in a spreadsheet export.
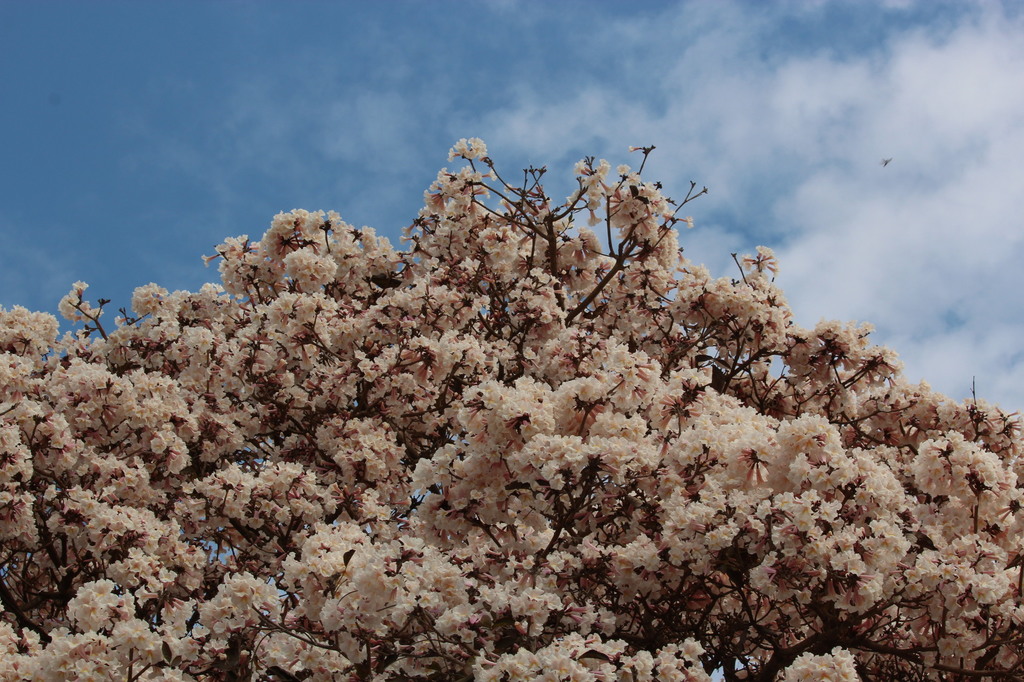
790	140
782	109
29	268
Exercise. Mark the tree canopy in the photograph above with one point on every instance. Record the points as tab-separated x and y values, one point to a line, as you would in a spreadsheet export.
535	442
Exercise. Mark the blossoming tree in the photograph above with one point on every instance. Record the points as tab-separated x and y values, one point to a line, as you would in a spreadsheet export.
517	449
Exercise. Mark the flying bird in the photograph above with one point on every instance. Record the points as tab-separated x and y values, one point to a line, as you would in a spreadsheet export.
885	162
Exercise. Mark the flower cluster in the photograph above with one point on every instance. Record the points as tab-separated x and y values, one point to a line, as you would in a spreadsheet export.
535	442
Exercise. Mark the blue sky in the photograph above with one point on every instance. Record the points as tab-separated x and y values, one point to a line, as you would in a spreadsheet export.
134	137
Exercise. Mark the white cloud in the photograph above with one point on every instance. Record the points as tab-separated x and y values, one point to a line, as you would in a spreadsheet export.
926	247
790	145
786	132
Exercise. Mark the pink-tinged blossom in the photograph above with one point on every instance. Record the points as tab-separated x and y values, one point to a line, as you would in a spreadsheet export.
506	450
837	666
